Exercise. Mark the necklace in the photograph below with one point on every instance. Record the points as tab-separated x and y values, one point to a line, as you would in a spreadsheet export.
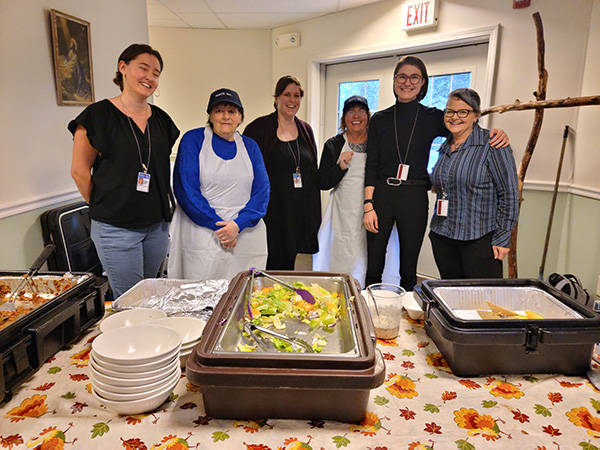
145	113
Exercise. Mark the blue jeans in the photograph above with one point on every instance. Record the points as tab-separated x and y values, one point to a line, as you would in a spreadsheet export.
129	256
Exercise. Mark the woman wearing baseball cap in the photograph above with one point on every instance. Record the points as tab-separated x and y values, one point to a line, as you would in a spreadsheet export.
342	236
222	190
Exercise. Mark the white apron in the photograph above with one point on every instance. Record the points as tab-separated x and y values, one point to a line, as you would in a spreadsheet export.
342	236
196	253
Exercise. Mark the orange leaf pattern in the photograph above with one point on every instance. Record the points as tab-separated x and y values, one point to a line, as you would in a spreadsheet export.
419	405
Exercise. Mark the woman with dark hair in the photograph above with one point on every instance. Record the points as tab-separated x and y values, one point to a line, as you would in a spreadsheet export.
120	164
290	154
342	236
222	192
476	187
396	178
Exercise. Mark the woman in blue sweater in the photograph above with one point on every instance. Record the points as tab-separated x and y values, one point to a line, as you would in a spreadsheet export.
222	191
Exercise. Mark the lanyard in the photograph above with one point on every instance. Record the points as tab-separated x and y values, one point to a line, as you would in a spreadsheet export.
410	137
144	166
296	160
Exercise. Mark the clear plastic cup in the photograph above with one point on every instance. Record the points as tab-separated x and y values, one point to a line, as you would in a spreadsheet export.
385	306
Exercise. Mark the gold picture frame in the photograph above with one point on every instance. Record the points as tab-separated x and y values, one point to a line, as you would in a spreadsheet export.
72	51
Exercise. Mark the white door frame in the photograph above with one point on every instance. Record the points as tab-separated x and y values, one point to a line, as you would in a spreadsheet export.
318	63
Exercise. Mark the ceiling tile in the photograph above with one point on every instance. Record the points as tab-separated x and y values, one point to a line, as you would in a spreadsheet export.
272	6
178	23
160	11
203	20
263	21
187	6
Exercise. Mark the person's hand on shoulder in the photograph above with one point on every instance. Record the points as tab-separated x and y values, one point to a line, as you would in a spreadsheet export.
499	138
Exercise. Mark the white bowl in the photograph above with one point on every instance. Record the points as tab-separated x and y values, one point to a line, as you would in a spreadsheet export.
134	379
137	316
412	307
190	345
110	394
190	328
132	375
137	344
137	368
132	407
133	389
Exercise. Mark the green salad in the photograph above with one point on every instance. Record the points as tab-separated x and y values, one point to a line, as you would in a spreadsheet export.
273	306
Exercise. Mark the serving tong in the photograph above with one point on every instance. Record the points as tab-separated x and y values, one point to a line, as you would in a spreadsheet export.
306	295
9	305
296	343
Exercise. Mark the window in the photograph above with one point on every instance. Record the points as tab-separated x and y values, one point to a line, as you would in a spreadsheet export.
437	95
368	89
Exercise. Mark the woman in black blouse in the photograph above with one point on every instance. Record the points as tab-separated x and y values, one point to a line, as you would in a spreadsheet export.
121	149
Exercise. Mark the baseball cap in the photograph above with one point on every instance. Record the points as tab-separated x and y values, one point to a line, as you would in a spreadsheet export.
355	99
224	95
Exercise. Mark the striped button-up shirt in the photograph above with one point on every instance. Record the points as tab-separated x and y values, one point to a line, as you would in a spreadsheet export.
480	184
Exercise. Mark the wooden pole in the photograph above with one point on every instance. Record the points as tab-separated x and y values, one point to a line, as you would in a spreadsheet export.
540	94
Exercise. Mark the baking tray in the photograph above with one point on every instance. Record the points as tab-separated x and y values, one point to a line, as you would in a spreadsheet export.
35	337
350	344
174	296
561	342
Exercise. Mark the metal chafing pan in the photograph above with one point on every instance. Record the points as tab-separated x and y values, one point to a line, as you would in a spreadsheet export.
560	342
349	343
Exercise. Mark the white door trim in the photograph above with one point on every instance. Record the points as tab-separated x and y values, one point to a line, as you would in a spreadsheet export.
317	64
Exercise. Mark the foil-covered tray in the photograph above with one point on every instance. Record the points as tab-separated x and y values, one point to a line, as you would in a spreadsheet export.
173	296
342	339
465	301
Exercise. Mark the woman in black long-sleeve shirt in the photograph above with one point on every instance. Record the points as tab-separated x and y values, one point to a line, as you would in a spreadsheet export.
396	178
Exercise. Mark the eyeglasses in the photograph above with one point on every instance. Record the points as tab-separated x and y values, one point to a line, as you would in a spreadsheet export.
414	79
230	111
462	113
357	112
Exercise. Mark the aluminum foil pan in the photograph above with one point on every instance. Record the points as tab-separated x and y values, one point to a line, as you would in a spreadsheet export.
175	297
464	301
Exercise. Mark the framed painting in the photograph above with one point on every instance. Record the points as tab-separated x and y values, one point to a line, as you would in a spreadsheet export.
72	50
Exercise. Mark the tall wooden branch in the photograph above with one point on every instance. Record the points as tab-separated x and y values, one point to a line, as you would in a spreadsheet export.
540	95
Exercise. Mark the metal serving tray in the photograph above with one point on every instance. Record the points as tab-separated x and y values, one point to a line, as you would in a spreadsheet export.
341	339
464	301
175	297
349	343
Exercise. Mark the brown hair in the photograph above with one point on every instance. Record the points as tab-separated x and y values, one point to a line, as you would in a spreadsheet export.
419	64
283	83
129	54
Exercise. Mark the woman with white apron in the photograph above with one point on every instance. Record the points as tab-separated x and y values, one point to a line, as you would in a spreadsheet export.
222	190
342	236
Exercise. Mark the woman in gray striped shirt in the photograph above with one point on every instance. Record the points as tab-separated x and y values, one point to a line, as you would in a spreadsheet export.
476	186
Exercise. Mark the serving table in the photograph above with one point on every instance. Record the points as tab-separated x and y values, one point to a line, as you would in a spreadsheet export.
421	405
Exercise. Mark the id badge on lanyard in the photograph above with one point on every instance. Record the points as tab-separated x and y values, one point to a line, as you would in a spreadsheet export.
143	182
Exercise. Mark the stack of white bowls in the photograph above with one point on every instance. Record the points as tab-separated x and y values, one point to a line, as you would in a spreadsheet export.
189	328
130	317
135	368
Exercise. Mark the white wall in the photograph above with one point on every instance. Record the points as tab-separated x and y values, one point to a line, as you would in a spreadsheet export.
197	62
35	152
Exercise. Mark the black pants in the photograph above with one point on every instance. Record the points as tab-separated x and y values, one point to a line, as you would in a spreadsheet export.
465	259
406	206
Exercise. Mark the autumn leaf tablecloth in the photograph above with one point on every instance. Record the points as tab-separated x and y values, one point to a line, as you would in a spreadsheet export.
421	405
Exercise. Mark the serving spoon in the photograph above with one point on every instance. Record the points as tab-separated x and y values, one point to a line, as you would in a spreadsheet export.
306	295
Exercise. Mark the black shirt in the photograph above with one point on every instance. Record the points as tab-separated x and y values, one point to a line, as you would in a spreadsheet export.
382	151
114	199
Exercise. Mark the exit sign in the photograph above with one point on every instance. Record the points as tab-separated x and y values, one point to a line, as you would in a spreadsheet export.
421	14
